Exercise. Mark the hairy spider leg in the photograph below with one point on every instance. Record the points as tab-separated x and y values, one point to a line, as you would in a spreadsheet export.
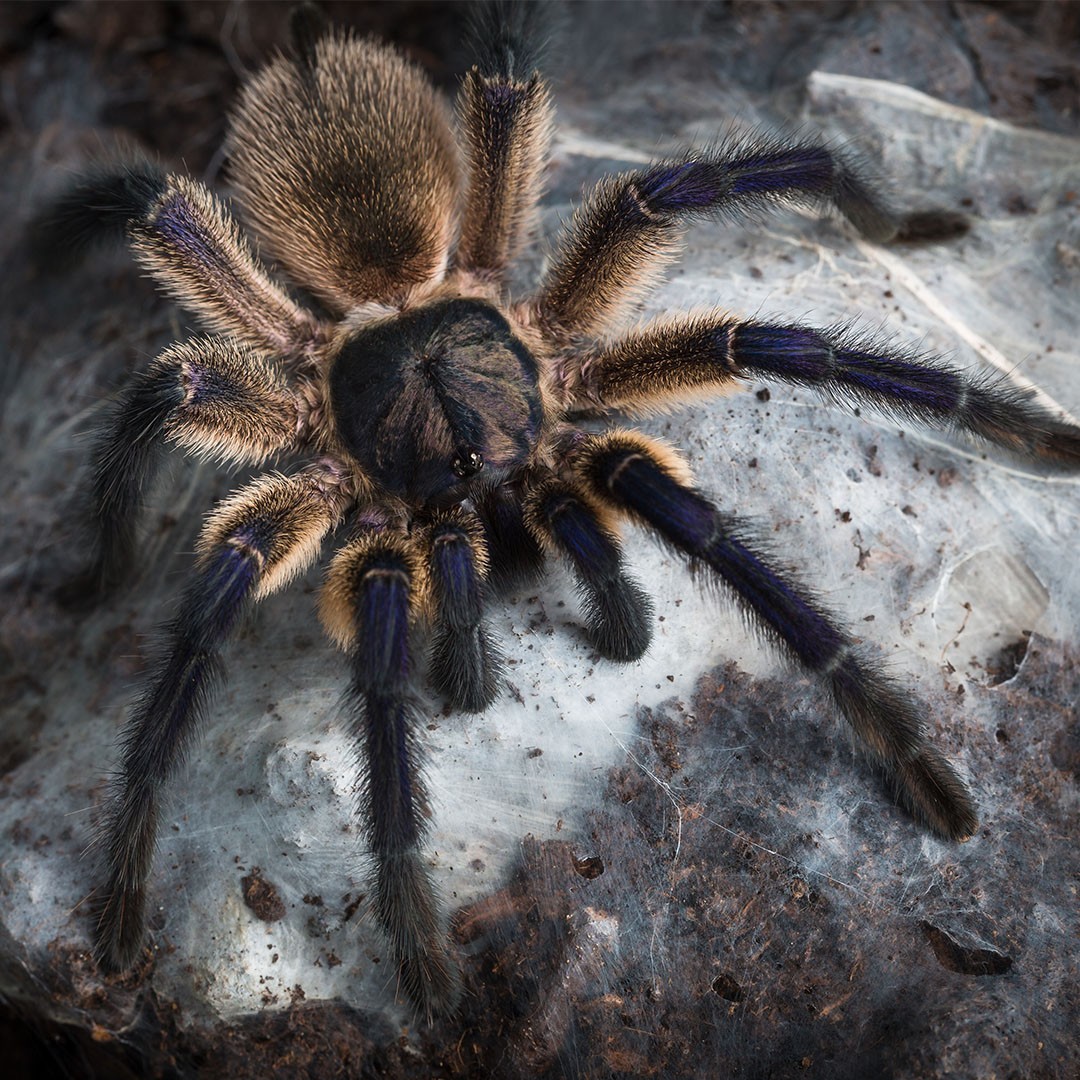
373	592
465	663
616	609
639	476
220	396
209	395
252	544
154	743
630	226
505	119
514	556
673	360
191	245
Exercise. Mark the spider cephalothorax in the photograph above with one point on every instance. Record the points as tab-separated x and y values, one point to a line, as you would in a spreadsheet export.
427	399
432	417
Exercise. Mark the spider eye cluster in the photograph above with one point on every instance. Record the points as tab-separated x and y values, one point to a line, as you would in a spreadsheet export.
467	464
428	399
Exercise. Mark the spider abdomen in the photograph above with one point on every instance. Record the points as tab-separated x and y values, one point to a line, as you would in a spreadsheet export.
430	398
346	166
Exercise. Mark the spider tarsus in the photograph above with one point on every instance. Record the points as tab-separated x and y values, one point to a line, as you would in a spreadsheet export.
429	972
928	787
1059	442
120	932
432	982
931	227
128	843
880	710
619	620
890	722
855	196
466	667
407	909
997	411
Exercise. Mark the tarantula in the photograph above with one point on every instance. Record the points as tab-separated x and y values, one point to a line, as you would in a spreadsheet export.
434	417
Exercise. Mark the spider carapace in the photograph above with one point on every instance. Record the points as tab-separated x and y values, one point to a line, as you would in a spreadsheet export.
430	421
428	399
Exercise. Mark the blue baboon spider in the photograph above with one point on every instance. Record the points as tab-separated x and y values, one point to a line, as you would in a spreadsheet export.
434	418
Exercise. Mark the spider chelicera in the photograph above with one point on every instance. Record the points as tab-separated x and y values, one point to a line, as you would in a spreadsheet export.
431	417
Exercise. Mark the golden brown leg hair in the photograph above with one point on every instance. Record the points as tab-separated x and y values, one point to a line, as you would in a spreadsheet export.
191	244
210	395
630	226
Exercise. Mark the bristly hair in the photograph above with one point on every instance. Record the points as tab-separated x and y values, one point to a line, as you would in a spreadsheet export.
510	38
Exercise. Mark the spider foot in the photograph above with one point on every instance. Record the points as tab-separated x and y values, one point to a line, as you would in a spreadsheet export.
619	628
928	787
466	667
932	227
407	908
431	980
120	931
